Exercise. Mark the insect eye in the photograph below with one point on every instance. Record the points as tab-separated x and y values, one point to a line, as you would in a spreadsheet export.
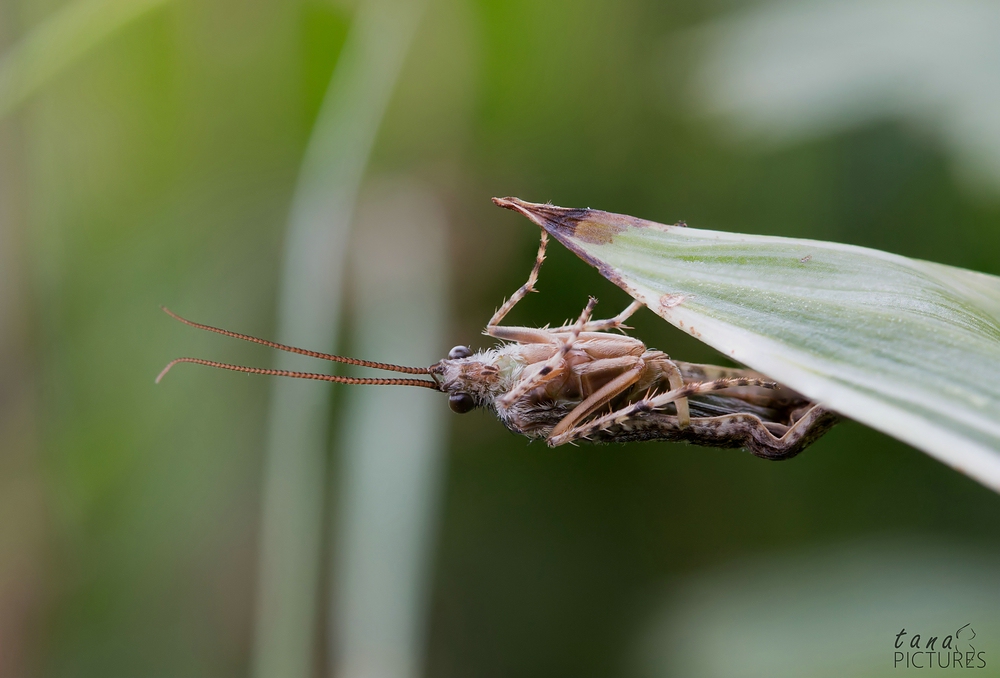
459	352
461	402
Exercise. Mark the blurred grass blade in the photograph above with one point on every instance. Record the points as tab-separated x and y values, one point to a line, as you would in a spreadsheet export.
391	440
909	347
308	313
59	41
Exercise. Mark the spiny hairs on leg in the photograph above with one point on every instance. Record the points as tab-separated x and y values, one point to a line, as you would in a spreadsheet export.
523	290
574	332
616	323
649	404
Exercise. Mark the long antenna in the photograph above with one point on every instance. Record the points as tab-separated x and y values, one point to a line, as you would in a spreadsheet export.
300	375
300	351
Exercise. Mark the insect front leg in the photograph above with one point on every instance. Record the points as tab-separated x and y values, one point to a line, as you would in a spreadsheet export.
532	335
522	291
522	335
554	366
616	323
649	404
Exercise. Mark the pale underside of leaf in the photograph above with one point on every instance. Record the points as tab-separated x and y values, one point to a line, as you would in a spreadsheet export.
908	347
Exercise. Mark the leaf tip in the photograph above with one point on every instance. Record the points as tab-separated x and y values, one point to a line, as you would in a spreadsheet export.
507	203
586	225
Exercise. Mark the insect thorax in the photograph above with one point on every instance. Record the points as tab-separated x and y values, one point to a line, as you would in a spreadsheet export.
485	375
491	373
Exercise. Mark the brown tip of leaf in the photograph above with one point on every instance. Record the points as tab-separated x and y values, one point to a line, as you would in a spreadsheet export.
586	225
506	203
540	213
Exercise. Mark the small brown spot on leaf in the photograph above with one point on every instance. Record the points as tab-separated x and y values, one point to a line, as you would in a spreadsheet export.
806	258
596	232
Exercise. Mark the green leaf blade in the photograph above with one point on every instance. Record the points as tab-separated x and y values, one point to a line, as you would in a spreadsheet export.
911	348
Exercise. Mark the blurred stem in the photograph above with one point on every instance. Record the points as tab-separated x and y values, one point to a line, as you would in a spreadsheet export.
59	41
390	475
310	295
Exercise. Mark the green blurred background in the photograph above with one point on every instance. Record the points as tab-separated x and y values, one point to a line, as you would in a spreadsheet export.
150	154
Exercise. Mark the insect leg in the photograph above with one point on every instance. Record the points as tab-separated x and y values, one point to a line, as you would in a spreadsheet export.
552	367
603	395
649	404
694	388
616	323
676	381
522	291
522	335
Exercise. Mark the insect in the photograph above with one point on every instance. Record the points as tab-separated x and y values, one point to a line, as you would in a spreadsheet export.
582	382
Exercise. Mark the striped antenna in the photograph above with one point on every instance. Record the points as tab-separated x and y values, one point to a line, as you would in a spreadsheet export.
301	351
300	375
